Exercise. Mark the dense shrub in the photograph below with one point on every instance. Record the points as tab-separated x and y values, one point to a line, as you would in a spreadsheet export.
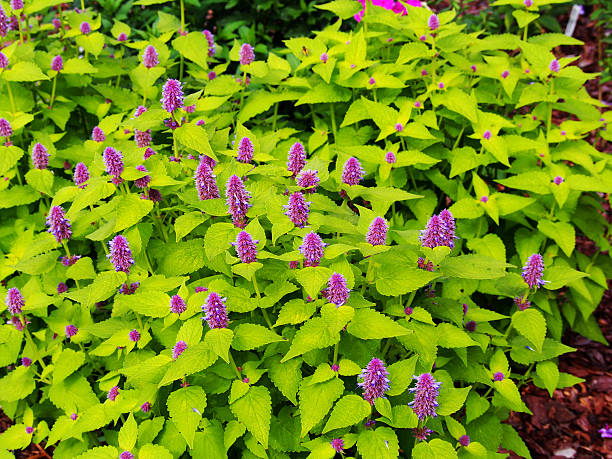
357	243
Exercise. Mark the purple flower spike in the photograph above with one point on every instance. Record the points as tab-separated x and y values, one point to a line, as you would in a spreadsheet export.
374	381
40	157
212	75
81	175
338	445
371	81
352	172
205	180
312	249
522	303
139	111
216	312
606	431
178	349
142	138
324	58
337	291
97	135
377	232
71	330
484	199
487	135
129	289
247	54
6	130
85	28
150	57
245	247
148	153
245	150
74	416
4	62
142	182
210	38
425	396
26	361
113	161
558	180
122	37
440	230
505	74
533	270
554	66
470	326
474	68
308	179
464	440
58	224
172	95
399	127
433	22
126	455
134	335
421	433
237	200
17	5
146	407
120	254
4	25
296	159
14	301
390	157
499	376
177	305
57	63
29	430
112	393
298	209
62	288
528	3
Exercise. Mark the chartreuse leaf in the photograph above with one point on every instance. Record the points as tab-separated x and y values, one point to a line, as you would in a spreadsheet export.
371	324
194	137
349	410
401	375
434	449
549	375
316	400
251	336
380	443
66	364
154	452
560	232
128	434
473	267
508	390
313	278
185	406
219	341
253	409
286	376
532	325
16	385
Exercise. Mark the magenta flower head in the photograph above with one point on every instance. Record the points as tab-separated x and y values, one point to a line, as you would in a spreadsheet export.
142	182
245	247
134	335
205	181
150	57
439	231
112	393
6	130
142	138
337	292
178	349
148	153
216	312
324	58
126	455
371	81
237	198
374	381
474	68
390	157
558	180
296	159
74	416
129	289
499	376
139	111
505	74
433	22
210	38
298	209
308	179
81	175
97	135
377	232
247	54
338	445
172	95
464	440
399	127
85	28
17	5
533	270
26	361
528	3
312	249
57	63
554	66
14	301
29	430
71	330
425	396
245	150
146	407
120	254
58	224
113	161
177	305
40	157
4	62
352	172
487	135
122	37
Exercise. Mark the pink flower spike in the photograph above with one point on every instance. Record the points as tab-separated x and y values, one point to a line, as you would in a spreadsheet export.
246	54
554	66
505	74
487	135
433	22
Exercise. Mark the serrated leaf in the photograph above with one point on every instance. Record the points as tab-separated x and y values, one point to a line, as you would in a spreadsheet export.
473	267
316	400
219	341
549	374
562	233
371	324
380	443
185	407
194	137
253	409
128	434
66	364
349	410
251	336
532	325
286	376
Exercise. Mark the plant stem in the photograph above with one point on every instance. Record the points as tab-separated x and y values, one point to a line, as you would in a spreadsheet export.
275	115
53	91
65	244
335	361
366	282
233	363
333	121
550	105
386	348
10	93
264	312
31	342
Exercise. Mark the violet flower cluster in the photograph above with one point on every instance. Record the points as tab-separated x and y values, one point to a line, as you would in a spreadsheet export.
237	198
439	231
533	271
245	150
312	249
120	254
40	157
14	301
172	95
425	396
245	247
216	312
374	380
205	180
308	179
113	161
81	175
352	172
337	292
296	159
58	224
377	232
298	209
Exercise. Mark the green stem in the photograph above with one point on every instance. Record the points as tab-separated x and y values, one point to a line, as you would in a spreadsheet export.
333	121
65	244
366	282
335	361
182	16
31	342
139	322
53	91
386	348
233	363
264	312
410	299
550	105
20	27
10	93
275	115
83	5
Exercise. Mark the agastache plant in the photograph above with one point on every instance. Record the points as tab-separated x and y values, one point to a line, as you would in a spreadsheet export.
120	254
245	247
296	159
297	209
238	200
425	396
374	380
216	312
312	249
205	180
533	271
58	224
